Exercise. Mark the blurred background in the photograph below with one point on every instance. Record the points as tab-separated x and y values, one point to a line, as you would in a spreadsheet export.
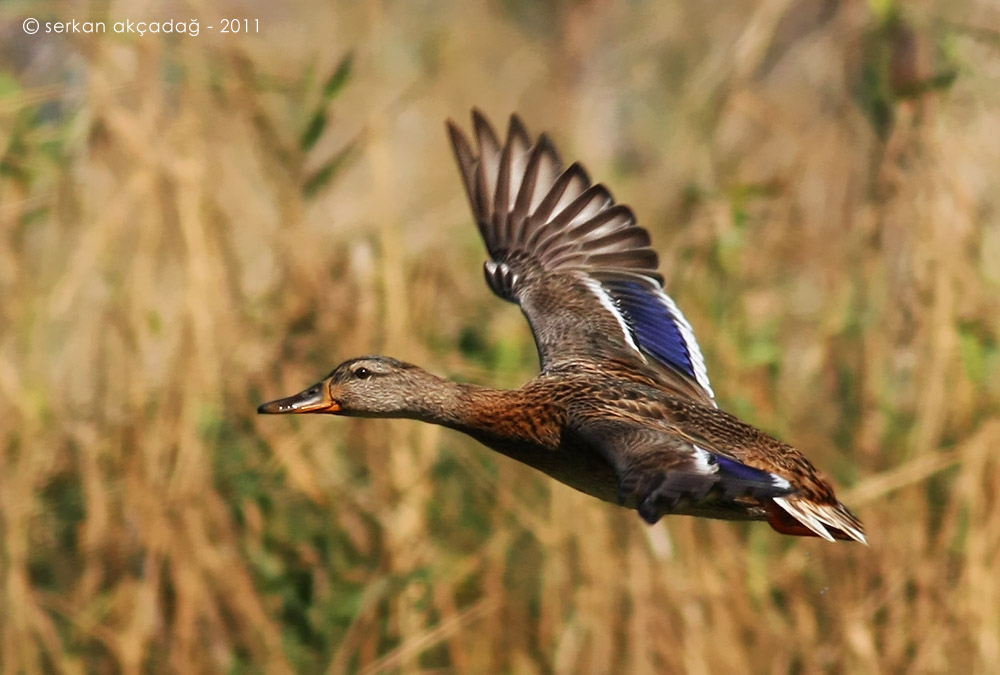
191	225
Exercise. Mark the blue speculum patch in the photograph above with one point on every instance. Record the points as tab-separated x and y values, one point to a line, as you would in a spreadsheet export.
653	326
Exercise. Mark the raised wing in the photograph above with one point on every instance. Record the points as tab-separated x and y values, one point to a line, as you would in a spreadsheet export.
576	262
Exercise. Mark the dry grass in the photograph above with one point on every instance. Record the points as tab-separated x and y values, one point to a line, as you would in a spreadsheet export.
176	247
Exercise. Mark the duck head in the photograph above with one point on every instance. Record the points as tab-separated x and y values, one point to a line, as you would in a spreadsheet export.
369	386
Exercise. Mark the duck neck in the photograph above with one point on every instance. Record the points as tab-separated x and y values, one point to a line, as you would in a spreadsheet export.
480	412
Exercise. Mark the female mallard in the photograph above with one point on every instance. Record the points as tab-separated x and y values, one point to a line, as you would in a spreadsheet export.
622	409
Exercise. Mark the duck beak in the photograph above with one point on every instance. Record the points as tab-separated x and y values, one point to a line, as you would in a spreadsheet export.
315	399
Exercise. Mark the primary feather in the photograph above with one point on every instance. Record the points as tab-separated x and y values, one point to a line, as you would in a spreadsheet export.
538	219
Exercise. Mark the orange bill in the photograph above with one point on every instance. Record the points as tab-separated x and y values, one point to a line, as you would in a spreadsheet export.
315	399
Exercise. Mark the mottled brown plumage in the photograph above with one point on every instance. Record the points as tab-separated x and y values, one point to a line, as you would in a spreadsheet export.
622	409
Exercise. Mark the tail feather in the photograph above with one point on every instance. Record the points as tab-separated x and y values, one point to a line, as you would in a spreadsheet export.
802	517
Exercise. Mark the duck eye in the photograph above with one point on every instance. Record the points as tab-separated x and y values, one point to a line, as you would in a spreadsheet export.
362	373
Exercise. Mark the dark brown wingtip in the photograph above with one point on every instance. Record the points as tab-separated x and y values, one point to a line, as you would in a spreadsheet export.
466	160
479	117
517	129
459	142
482	129
460	147
579	170
546	146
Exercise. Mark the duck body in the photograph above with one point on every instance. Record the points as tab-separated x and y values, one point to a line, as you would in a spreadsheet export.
555	424
622	409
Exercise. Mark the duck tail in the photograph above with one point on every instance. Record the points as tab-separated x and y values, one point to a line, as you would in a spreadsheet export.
802	517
